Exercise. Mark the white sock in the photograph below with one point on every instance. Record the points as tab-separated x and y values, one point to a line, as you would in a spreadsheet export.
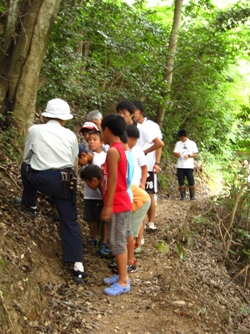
78	266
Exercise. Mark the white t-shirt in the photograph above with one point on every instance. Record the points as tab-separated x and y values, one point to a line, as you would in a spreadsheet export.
149	130
98	160
140	160
185	148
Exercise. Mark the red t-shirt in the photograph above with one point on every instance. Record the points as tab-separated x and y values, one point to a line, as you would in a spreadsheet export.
121	201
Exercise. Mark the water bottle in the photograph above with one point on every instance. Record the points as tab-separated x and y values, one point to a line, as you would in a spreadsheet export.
181	160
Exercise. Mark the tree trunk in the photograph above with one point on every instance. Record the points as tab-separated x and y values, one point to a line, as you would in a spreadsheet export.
26	32
168	75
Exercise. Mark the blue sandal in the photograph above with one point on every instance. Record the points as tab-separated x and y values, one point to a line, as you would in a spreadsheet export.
111	280
116	290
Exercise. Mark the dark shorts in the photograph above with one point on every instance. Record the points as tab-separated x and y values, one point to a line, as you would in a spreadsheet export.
92	210
151	183
185	172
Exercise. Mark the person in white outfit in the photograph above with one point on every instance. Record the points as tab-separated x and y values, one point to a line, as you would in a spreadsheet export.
151	143
185	150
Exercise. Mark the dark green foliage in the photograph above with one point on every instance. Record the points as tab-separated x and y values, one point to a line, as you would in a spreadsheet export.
233	17
104	52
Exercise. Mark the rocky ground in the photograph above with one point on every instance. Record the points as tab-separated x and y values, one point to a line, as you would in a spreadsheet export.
182	284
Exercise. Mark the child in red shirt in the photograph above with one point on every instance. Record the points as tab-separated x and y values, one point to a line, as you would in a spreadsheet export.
117	205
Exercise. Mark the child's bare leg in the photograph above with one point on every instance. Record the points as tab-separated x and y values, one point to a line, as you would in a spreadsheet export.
121	260
130	247
152	209
104	232
93	230
140	234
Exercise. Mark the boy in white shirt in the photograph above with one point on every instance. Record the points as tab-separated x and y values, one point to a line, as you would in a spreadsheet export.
151	143
93	202
185	150
141	169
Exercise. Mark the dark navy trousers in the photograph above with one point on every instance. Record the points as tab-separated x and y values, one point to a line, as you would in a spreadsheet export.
49	183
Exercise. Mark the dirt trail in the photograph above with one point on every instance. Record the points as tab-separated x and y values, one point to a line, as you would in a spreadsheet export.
181	285
177	289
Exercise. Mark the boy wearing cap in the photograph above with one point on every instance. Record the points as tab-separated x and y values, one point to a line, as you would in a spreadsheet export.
85	129
93	202
50	154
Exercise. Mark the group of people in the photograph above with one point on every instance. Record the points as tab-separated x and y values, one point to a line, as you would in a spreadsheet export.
120	157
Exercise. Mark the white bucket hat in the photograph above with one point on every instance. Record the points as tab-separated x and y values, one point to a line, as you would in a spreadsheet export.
58	108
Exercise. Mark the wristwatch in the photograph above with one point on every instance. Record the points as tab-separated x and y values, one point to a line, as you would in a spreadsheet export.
189	155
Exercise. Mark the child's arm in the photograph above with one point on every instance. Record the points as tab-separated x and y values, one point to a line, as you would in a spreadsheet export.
158	143
113	157
158	153
144	175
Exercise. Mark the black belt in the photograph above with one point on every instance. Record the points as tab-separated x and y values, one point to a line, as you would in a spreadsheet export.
62	170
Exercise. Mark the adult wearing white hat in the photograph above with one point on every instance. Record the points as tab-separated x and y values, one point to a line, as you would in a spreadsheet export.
50	154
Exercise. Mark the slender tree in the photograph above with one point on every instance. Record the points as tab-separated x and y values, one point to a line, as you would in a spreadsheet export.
168	74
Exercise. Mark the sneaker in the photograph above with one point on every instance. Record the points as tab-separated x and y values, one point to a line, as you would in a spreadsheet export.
103	245
31	211
105	253
151	226
93	242
112	264
78	276
131	268
116	289
138	249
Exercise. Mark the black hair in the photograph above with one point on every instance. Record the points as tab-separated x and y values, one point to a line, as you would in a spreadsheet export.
96	132
124	137
182	133
127	105
91	171
140	106
115	123
132	131
83	130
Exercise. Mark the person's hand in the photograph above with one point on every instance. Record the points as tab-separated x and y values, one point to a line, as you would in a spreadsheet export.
102	168
106	213
157	169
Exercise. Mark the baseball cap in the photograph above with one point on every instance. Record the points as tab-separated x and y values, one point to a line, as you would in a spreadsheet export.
89	125
82	149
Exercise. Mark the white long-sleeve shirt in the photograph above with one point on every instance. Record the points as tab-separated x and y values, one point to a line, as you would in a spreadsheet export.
50	146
